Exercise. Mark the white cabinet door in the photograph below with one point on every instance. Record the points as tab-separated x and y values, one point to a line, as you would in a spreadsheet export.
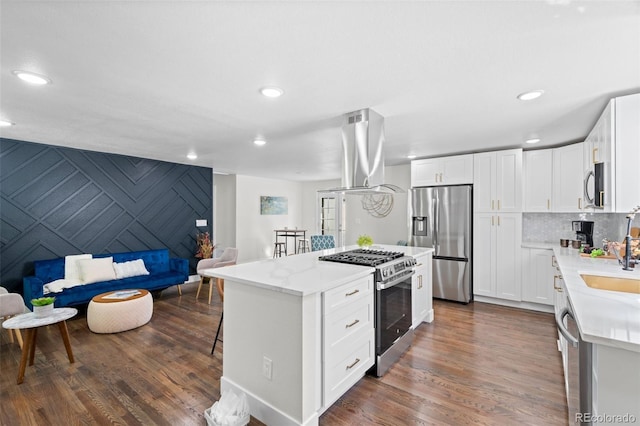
453	170
538	180
627	153
508	242
425	172
497	179
484	182
484	242
496	254
421	291
537	276
568	178
509	181
457	169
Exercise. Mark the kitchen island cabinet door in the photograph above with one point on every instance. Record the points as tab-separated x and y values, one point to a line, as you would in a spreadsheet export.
421	291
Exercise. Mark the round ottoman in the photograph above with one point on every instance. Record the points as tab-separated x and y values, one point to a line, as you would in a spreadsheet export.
120	310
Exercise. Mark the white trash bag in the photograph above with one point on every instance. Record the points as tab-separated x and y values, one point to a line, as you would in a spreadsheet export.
230	410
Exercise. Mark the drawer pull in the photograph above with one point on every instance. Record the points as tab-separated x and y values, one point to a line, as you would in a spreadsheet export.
349	367
352	324
352	293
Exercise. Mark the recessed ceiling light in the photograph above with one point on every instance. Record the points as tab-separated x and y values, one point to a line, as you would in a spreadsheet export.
32	78
411	157
272	92
5	123
259	142
527	96
532	140
192	156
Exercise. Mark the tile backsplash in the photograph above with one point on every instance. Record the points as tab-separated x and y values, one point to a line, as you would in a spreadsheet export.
551	227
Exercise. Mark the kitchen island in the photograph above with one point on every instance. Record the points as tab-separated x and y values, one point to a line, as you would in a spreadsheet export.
610	321
285	343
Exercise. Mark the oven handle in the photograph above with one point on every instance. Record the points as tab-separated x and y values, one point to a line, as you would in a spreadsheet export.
382	286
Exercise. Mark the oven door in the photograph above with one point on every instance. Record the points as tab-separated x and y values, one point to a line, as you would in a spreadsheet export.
393	312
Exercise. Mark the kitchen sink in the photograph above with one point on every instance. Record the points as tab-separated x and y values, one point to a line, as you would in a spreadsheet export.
601	282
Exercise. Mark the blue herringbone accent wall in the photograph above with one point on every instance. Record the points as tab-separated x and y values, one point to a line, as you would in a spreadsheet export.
59	201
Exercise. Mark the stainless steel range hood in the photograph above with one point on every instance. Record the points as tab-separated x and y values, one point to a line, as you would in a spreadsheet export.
362	155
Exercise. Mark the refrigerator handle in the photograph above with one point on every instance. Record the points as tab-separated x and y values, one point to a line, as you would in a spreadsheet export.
436	225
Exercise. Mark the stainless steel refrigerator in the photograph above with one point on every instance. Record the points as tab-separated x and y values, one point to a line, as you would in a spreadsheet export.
441	219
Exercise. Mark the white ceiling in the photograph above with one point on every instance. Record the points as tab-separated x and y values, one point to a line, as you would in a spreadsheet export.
160	79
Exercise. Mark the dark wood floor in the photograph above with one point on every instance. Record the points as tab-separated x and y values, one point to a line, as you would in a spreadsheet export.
475	364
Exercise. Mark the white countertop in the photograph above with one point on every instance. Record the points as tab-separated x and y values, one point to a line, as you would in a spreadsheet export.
540	245
303	274
604	317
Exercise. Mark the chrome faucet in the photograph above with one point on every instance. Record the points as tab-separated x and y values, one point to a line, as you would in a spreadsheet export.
627	252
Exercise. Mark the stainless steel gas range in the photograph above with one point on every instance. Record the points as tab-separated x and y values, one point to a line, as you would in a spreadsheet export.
393	272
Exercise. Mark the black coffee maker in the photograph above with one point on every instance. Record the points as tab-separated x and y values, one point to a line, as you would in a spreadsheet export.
584	231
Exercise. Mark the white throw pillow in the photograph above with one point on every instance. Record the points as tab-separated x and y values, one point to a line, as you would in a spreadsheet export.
132	268
95	270
71	271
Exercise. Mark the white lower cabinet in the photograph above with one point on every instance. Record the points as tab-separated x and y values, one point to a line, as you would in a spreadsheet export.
348	346
422	291
538	270
497	240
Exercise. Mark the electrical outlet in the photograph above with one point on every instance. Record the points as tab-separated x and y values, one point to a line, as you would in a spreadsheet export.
267	367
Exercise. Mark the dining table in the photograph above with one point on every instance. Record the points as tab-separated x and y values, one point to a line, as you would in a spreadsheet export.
287	233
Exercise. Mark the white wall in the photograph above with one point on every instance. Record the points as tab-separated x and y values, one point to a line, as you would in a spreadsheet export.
255	232
238	222
224	212
387	230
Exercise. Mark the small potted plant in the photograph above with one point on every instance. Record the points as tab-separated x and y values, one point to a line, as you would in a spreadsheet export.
365	241
42	306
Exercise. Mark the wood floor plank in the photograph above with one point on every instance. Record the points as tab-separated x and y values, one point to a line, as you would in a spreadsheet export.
476	364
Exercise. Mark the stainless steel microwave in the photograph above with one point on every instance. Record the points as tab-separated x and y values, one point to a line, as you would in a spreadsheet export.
594	193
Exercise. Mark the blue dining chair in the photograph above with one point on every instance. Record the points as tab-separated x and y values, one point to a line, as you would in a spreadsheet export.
322	242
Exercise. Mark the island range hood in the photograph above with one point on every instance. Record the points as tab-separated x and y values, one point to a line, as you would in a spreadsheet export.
362	155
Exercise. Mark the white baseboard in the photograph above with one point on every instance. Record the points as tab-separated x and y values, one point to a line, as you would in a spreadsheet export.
513	304
192	279
429	317
262	410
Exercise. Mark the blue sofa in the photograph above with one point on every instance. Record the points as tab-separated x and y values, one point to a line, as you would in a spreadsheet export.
163	272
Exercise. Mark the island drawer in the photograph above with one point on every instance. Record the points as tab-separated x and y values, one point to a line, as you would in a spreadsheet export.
347	293
344	366
347	322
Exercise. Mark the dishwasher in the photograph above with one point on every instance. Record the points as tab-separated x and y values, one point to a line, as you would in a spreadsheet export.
579	369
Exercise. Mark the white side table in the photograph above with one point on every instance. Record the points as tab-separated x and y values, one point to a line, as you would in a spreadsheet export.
30	323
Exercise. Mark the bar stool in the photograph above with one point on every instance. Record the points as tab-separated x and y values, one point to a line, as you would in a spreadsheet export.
303	246
278	248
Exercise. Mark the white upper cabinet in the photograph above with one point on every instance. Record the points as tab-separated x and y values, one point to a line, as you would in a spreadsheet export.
538	180
497	179
626	153
613	141
597	149
442	171
568	178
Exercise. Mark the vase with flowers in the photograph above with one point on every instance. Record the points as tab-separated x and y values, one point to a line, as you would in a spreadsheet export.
204	245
